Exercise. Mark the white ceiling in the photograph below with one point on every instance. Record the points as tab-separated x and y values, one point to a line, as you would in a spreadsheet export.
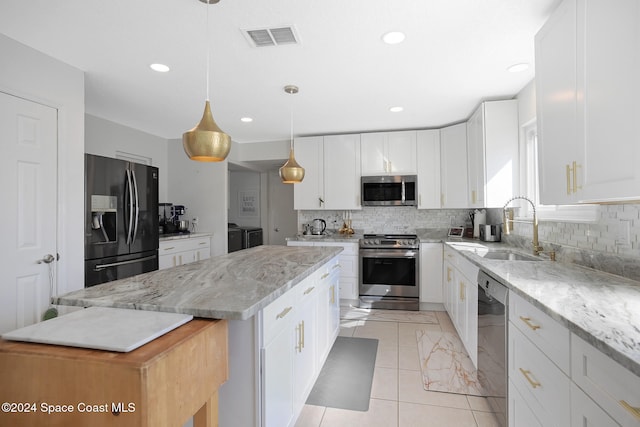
455	54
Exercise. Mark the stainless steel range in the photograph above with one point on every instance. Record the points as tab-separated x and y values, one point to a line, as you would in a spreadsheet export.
389	271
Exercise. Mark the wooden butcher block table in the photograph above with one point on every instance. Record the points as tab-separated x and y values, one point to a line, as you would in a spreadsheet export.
162	383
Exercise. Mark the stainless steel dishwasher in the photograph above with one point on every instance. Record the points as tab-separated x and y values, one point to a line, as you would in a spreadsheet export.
492	343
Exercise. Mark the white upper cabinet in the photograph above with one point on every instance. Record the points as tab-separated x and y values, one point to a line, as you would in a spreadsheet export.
453	166
332	172
428	157
589	142
342	172
492	153
309	194
389	153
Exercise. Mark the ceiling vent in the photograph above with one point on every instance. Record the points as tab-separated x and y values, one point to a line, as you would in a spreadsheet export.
271	36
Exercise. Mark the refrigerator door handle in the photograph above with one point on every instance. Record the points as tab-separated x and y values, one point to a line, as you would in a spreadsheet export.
100	267
137	207
130	189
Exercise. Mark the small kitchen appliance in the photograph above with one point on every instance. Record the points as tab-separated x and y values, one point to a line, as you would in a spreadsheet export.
318	226
490	232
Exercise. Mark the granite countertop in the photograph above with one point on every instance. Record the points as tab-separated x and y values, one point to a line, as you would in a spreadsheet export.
601	308
175	236
330	237
231	286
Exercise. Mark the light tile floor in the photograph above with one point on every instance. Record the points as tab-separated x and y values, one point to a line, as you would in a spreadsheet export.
398	398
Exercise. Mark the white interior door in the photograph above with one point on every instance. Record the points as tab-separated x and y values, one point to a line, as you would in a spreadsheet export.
28	172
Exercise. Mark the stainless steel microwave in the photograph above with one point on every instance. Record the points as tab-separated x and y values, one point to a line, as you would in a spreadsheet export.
399	190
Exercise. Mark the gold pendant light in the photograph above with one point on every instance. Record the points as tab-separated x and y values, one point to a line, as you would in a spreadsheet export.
207	142
291	172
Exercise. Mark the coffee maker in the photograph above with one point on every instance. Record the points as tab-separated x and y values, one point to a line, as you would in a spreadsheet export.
169	218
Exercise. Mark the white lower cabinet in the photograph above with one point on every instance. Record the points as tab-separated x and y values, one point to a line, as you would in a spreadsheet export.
298	330
586	413
520	414
172	253
461	298
558	379
615	389
349	267
431	273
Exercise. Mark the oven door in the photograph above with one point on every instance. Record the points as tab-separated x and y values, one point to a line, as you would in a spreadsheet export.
389	273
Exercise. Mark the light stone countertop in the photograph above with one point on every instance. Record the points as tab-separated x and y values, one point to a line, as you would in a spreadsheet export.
601	308
231	286
331	237
176	236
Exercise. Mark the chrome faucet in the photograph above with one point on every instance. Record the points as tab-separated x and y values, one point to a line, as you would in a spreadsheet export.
507	215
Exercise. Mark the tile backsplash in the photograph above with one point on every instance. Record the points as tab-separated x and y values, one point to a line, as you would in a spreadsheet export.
401	219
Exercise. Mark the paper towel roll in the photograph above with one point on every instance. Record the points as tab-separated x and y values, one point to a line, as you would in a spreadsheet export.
479	217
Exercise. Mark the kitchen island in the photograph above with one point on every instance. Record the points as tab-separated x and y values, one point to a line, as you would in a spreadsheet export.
234	286
264	293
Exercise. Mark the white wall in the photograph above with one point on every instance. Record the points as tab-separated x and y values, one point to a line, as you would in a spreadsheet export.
244	194
202	187
32	75
527	104
105	138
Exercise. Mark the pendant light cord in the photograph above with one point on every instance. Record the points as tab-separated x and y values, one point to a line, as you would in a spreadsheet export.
208	53
292	123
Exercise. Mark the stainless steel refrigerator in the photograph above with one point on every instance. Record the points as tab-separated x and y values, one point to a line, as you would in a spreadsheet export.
121	219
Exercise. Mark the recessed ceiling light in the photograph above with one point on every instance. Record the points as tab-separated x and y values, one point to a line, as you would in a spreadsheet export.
246	119
393	37
396	109
161	68
516	68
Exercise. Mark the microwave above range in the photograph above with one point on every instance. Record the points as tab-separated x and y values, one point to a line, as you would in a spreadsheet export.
398	190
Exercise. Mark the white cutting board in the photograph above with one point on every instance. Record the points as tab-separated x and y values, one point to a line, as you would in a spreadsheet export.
102	328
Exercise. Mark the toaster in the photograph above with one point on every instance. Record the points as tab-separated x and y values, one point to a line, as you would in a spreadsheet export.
490	232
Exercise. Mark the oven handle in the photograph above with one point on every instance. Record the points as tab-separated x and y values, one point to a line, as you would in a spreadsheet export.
388	253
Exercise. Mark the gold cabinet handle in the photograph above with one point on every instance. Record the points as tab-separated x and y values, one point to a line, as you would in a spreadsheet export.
335	266
473	197
576	187
533	383
462	296
568	179
448	274
441	199
324	276
631	409
169	248
202	243
302	339
527	321
283	313
333	294
299	345
309	290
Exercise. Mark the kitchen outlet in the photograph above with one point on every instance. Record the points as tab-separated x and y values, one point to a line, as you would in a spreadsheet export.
194	220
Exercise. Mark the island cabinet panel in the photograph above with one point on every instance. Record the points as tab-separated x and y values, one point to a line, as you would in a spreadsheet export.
298	330
162	383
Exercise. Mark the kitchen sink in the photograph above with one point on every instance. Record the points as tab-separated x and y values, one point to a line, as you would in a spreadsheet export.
510	256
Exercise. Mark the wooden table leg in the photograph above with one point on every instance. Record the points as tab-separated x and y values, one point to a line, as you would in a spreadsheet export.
207	416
